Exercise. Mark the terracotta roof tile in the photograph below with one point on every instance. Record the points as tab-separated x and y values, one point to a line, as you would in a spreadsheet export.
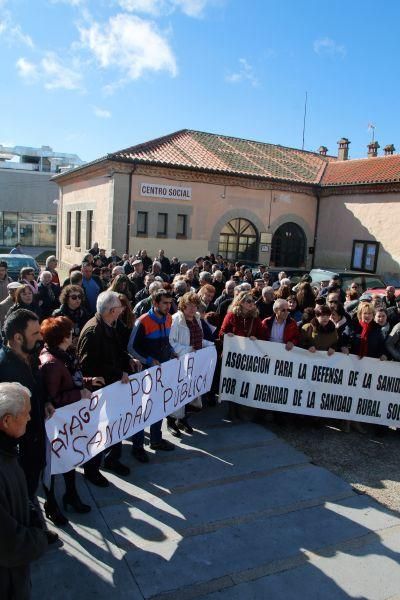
223	154
381	169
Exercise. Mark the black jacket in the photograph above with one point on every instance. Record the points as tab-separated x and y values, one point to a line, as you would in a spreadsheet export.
32	446
102	350
19	542
376	341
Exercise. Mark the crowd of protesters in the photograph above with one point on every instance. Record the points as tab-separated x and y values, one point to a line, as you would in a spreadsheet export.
114	316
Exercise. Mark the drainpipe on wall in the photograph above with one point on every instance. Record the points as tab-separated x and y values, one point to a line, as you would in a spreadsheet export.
128	228
315	231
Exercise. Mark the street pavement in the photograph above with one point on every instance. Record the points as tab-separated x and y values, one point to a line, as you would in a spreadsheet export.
234	513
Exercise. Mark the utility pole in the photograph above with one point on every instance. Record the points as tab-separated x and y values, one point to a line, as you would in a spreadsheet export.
304	120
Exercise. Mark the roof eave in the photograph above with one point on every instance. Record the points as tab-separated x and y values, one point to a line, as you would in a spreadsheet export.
212	171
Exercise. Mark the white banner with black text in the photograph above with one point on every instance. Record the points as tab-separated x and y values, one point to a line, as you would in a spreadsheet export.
266	375
79	431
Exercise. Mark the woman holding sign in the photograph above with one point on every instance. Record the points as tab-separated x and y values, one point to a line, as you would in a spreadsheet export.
367	339
64	384
186	335
242	319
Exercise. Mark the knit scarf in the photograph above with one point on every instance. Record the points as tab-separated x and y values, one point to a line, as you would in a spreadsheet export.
365	331
71	361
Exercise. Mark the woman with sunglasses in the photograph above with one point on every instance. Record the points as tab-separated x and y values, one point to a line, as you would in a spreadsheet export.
72	306
242	319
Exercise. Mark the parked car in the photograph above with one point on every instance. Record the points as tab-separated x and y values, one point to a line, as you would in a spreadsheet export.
367	281
16	262
392	279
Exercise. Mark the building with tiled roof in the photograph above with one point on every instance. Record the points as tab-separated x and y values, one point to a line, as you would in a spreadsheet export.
192	193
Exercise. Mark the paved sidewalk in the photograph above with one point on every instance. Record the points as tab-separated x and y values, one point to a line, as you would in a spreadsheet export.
233	514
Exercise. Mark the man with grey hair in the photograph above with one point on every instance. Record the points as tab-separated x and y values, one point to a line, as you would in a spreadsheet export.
265	303
227	293
144	305
277	284
118	270
156	269
20	543
102	353
205	278
223	306
281	327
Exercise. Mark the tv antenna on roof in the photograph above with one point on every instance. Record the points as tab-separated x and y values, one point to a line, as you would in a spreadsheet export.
371	126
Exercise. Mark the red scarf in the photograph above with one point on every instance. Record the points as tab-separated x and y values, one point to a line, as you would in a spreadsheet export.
365	331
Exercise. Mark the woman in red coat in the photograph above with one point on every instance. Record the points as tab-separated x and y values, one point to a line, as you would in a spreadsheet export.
242	319
64	384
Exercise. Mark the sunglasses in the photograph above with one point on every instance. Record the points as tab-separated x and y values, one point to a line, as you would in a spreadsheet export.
75	297
249	301
333	302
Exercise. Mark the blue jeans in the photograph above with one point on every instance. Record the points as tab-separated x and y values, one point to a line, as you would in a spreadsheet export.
155	435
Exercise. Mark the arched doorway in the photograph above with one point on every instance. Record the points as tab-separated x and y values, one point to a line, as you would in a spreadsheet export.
288	247
238	240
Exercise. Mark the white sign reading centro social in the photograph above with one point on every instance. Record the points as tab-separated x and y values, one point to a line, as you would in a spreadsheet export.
79	431
158	190
266	375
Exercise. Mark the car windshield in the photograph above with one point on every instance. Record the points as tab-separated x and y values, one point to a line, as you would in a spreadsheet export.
395	281
15	263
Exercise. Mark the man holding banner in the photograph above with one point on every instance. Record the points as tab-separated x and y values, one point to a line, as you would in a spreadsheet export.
102	354
149	343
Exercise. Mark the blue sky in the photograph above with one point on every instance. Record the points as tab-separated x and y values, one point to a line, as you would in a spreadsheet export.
92	77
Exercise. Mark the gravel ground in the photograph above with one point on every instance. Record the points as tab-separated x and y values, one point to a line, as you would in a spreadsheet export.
369	462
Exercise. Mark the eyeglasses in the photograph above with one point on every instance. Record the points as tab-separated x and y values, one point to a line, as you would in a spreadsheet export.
333	302
75	297
249	301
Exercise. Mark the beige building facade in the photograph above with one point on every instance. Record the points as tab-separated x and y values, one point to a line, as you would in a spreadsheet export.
192	193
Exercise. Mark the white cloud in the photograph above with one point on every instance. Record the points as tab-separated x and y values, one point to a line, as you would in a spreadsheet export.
328	46
50	71
245	73
26	69
191	8
130	44
152	7
11	32
57	75
101	112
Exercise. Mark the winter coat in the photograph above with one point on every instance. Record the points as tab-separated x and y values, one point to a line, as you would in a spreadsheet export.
320	339
290	334
376	341
79	317
20	543
244	327
3	287
393	343
32	445
58	380
48	301
179	336
101	351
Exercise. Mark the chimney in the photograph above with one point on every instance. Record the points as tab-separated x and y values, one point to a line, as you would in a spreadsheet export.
373	149
323	150
343	152
389	149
